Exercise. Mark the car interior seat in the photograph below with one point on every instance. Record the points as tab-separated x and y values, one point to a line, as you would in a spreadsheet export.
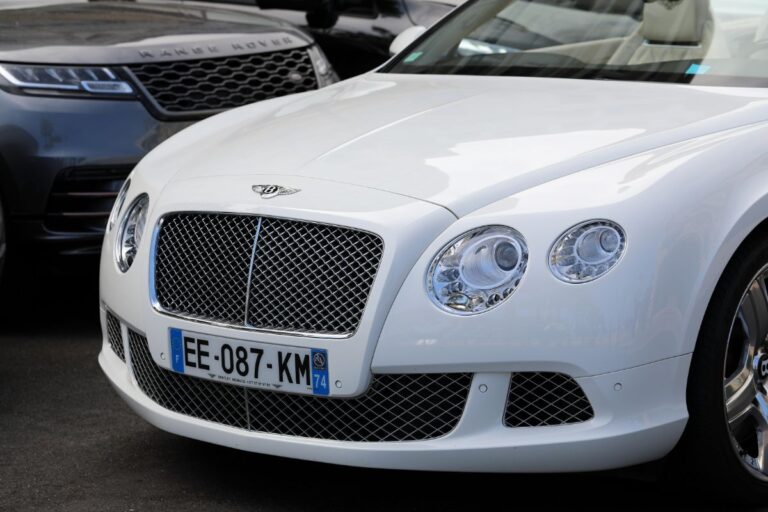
761	41
671	30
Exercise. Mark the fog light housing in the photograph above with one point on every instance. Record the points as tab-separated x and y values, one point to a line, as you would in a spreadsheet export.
478	271
131	232
587	251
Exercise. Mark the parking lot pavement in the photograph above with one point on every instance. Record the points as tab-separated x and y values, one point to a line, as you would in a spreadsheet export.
68	443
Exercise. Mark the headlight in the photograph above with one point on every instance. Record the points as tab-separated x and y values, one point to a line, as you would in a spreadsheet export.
323	69
587	251
131	232
73	79
478	270
118	206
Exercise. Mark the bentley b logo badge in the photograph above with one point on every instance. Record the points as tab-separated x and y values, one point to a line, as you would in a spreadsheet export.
270	191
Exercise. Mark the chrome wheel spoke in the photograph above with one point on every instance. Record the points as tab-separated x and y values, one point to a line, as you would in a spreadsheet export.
760	414
740	397
754	314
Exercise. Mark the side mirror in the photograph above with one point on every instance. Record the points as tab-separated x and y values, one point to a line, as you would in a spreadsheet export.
405	38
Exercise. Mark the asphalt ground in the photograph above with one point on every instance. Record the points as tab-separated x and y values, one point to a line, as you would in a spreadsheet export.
67	442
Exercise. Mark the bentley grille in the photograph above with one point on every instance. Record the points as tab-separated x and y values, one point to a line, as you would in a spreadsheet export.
265	273
396	407
211	85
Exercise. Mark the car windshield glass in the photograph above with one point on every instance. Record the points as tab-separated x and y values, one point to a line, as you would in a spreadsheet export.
704	42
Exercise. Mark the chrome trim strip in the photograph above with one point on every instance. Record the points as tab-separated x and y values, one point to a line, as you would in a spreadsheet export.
250	270
152	250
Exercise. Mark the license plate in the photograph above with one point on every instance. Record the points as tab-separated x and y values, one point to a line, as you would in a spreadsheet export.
250	364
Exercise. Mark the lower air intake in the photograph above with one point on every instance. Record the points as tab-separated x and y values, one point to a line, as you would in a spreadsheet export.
115	336
545	399
396	407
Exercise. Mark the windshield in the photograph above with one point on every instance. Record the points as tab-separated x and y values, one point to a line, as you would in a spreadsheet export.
704	42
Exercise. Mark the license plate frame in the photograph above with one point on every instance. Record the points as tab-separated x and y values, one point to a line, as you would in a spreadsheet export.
251	364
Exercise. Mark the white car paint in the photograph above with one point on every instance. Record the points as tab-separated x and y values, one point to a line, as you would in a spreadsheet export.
422	159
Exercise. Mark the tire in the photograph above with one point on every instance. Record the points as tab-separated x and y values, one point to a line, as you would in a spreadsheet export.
721	449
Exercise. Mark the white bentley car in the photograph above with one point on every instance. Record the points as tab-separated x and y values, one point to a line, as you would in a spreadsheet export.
534	241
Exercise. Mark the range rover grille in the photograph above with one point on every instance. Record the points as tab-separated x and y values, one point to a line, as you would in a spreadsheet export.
396	407
265	273
212	85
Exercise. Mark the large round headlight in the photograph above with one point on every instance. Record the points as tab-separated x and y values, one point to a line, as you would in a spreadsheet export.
131	231
478	270
587	251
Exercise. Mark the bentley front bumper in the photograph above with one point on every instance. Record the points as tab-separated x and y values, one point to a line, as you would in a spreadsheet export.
636	418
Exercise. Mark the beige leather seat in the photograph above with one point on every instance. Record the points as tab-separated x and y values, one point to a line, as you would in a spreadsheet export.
761	39
671	30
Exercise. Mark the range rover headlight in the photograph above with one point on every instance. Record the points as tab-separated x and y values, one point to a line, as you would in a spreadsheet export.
73	79
478	270
131	232
119	203
587	251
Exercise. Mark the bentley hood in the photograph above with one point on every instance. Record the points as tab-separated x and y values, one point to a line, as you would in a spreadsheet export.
458	142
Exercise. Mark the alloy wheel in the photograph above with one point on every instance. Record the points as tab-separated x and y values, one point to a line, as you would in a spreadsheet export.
745	381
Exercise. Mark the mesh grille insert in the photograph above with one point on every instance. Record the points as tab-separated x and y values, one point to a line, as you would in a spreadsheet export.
304	277
403	407
201	265
545	399
226	82
115	335
311	277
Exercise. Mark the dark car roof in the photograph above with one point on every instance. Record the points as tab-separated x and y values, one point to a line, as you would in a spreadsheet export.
120	32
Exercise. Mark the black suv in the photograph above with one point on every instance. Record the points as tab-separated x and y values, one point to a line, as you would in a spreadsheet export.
88	88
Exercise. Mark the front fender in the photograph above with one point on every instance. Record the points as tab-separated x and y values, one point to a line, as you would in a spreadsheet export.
686	208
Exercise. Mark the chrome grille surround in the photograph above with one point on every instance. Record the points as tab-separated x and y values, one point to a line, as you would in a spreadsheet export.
396	407
263	273
115	335
205	86
541	399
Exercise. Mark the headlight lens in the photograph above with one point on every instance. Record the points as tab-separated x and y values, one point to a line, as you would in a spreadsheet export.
90	80
478	270
323	69
587	251
118	206
131	232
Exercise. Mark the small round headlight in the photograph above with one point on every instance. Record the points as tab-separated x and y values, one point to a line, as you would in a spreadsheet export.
131	231
118	206
587	251
478	270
